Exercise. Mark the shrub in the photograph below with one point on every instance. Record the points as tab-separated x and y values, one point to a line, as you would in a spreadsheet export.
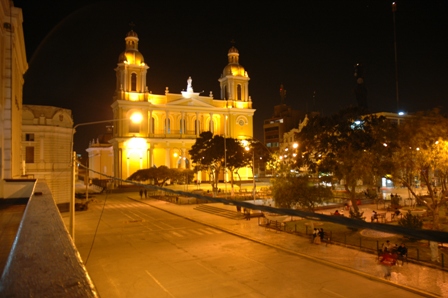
411	221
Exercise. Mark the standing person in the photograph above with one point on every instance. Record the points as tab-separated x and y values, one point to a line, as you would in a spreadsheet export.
146	194
387	247
314	234
141	193
317	238
387	260
321	234
402	252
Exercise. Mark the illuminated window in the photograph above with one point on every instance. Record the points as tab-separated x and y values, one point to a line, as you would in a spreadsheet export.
29	155
226	93
168	125
133	82
153	122
197	125
182	125
29	137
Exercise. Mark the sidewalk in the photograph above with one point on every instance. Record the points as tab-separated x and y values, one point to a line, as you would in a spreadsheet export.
426	281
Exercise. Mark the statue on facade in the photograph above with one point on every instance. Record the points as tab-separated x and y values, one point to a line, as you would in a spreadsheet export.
189	86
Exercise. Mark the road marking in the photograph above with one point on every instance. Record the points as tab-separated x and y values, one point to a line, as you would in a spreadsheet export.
160	285
206	232
332	293
196	232
177	234
214	230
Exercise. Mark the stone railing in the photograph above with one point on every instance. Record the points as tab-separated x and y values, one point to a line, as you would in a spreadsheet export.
44	261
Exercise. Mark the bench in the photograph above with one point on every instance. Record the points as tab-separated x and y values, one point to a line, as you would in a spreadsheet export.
380	217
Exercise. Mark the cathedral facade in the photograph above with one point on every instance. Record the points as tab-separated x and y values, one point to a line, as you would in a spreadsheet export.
170	123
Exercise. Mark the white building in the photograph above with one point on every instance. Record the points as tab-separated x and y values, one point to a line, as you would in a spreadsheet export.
13	65
47	149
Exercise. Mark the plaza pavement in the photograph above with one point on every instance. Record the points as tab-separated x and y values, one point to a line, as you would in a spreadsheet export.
423	280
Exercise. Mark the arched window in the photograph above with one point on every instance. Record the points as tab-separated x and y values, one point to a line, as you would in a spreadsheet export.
238	92
168	125
182	125
133	82
153	122
197	127
225	92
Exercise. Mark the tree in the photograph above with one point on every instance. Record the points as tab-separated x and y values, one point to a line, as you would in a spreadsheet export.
421	159
208	154
299	191
353	147
159	176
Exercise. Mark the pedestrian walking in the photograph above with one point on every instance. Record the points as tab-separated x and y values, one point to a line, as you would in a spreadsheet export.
141	193
314	234
317	239
387	260
321	234
146	194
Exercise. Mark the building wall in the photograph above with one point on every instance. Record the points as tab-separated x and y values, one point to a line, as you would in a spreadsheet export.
100	161
49	131
13	65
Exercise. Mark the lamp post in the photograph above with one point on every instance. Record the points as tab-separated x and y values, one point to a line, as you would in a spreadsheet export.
253	170
136	117
394	9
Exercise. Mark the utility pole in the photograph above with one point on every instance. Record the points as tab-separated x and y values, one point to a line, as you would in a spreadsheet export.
394	9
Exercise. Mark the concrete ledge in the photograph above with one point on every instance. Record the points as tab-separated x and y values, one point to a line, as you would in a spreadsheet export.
43	261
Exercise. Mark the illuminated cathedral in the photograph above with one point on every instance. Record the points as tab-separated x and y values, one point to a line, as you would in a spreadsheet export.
170	123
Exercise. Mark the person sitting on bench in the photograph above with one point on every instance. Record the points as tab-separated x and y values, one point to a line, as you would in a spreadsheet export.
402	252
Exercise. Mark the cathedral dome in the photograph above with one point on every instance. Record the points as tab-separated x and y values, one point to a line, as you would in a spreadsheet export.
233	68
132	33
131	55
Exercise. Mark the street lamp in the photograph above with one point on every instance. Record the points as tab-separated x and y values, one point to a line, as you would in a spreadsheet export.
135	118
253	170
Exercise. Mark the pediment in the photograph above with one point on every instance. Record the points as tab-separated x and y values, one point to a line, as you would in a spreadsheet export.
192	102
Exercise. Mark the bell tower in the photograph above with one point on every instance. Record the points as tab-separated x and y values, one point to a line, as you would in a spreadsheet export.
131	72
234	81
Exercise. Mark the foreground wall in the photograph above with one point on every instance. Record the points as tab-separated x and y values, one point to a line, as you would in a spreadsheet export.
43	261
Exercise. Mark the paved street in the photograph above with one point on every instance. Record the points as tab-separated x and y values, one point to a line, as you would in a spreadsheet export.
145	249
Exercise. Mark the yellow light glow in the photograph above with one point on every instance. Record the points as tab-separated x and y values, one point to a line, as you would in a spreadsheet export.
133	96
175	154
136	144
295	145
136	117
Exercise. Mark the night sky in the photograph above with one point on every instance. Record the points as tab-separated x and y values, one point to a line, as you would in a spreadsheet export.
308	46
